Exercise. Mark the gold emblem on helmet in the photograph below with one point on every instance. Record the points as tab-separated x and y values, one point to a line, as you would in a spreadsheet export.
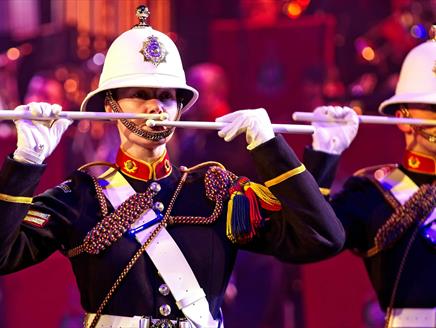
413	162
153	51
130	166
434	68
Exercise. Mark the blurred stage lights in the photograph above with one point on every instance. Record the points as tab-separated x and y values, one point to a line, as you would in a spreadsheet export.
293	9
70	85
418	31
98	59
364	49
368	54
13	54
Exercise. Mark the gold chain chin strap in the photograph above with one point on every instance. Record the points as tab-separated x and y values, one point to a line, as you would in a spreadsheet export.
139	252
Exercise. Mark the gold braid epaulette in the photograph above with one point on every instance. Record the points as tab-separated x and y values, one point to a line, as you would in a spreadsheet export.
416	209
217	181
114	225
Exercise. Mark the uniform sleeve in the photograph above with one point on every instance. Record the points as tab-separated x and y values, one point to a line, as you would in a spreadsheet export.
354	205
322	166
305	229
29	230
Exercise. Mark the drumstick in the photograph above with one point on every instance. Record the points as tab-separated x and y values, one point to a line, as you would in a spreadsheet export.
278	128
12	115
310	117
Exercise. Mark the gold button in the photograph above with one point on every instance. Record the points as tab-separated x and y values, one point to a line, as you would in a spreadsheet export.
165	310
164	290
159	206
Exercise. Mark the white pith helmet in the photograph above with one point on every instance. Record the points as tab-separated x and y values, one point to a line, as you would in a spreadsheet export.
417	80
141	57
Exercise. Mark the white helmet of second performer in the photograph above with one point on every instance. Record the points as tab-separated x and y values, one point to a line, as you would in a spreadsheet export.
417	81
141	57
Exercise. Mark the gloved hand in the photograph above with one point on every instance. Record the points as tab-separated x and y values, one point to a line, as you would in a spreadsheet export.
36	140
254	122
334	138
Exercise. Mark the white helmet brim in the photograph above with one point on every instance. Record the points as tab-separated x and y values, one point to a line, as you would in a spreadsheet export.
389	106
94	101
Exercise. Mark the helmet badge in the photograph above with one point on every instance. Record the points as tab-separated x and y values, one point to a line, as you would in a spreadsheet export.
153	51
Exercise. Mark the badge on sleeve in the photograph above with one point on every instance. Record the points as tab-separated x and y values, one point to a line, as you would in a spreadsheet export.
64	186
36	218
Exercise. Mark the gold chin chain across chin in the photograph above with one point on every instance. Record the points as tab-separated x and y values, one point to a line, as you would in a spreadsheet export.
419	129
134	128
428	136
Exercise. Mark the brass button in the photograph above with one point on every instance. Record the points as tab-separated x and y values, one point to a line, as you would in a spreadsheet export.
155	187
165	310
164	290
159	206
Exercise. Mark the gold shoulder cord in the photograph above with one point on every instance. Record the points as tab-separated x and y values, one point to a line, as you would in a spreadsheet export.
204	164
139	252
216	180
86	166
421	203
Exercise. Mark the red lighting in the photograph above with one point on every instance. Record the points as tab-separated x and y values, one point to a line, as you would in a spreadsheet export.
304	3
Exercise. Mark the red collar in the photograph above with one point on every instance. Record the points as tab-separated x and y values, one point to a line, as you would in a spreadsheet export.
420	163
141	170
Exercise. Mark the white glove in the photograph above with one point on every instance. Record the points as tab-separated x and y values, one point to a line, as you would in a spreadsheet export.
254	122
36	140
334	138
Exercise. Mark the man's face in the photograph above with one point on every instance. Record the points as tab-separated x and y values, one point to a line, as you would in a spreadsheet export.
149	101
417	141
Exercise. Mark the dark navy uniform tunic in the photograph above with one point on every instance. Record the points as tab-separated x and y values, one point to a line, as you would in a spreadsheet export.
363	209
306	229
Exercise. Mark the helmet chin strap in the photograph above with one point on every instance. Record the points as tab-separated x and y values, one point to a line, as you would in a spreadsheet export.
418	129
428	136
133	127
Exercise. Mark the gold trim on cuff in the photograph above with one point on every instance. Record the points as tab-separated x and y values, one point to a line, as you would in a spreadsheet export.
325	191
286	175
16	199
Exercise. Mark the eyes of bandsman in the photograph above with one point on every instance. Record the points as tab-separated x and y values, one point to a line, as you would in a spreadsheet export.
163	95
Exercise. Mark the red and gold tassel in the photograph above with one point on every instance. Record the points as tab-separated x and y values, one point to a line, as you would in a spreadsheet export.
243	213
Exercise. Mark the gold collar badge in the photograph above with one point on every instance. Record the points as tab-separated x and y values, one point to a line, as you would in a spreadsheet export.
167	165
130	166
414	162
